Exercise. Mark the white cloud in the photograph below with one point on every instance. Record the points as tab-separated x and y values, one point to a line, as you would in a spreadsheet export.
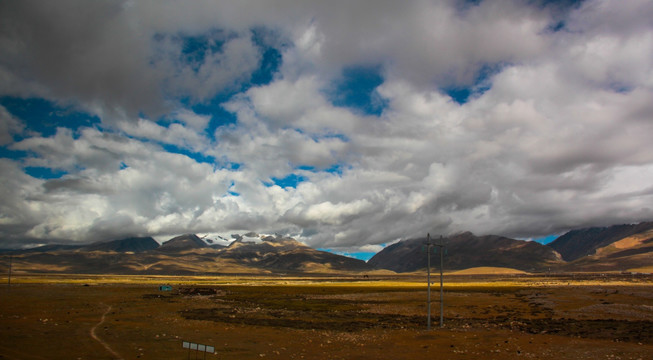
173	134
9	126
216	71
193	120
556	137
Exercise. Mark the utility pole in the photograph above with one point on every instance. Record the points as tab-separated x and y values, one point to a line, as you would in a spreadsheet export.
11	258
428	244
441	245
428	281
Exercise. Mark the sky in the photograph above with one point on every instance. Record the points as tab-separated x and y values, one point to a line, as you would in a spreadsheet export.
347	125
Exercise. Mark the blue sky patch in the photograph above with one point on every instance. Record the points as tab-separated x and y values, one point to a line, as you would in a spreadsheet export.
12	154
333	169
363	255
219	116
357	90
44	172
461	94
44	117
198	157
270	63
194	49
307	168
213	108
546	239
292	180
231	191
271	59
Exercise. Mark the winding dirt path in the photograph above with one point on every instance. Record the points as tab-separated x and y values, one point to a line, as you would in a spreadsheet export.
94	336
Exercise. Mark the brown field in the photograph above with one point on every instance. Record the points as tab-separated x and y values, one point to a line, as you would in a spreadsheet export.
591	316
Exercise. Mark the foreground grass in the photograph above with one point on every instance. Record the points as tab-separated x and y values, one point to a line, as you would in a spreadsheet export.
451	281
337	317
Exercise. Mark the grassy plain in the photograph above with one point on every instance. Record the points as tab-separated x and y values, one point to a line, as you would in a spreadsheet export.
587	316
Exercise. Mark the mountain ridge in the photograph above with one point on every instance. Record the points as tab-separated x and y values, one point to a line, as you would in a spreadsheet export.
131	244
183	242
186	254
614	248
583	242
466	250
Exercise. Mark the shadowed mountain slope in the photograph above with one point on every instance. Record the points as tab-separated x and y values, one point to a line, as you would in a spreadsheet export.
183	242
286	254
615	248
186	255
465	251
628	253
583	242
133	244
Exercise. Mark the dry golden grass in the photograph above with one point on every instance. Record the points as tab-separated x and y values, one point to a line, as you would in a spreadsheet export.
346	317
465	279
642	270
488	270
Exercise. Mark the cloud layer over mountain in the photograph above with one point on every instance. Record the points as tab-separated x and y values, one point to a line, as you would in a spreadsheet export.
344	124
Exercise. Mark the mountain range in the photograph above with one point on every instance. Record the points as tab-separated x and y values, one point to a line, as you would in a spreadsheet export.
607	248
614	248
465	251
185	255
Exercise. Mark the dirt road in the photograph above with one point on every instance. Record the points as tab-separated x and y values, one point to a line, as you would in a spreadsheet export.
94	335
326	321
